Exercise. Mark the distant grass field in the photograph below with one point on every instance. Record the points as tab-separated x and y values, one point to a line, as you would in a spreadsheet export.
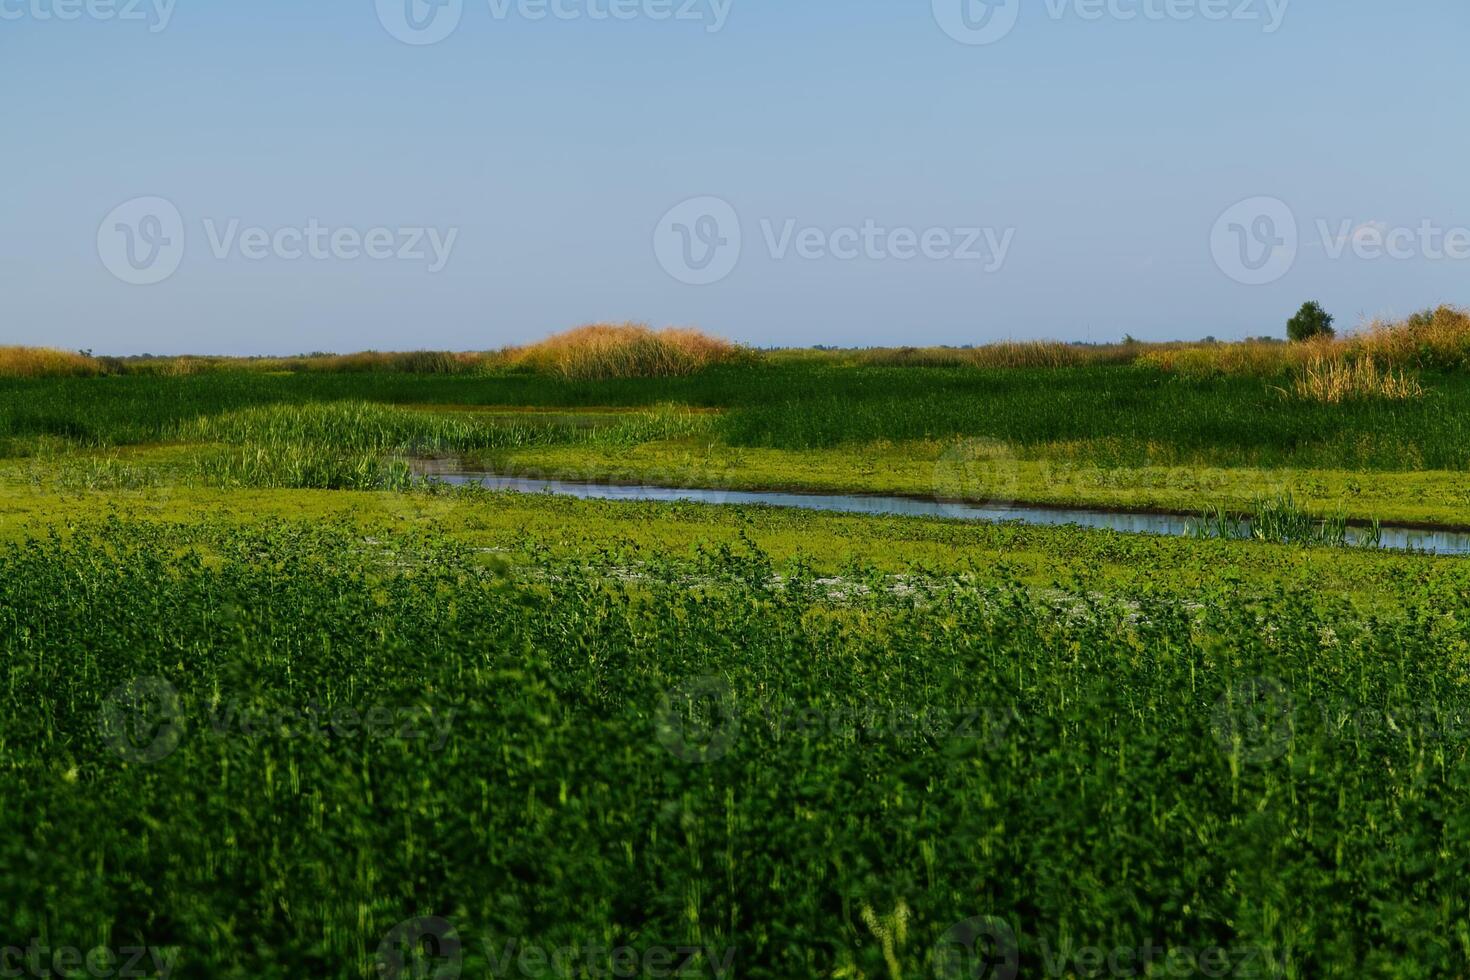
1116	415
1110	436
271	706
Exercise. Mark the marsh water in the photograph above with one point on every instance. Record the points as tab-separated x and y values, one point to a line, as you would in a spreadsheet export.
1392	538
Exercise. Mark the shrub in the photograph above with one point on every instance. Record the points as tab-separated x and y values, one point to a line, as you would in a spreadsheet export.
1311	321
1435	339
628	350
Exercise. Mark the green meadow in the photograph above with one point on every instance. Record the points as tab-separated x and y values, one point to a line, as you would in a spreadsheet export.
1123	436
275	705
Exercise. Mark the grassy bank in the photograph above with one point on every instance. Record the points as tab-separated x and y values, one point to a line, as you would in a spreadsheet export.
531	529
986	472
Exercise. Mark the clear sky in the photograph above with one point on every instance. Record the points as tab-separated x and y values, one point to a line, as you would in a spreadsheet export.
862	171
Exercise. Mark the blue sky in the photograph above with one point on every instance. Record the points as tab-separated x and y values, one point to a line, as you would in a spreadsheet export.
1080	176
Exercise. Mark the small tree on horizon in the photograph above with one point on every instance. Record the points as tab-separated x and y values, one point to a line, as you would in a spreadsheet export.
1310	321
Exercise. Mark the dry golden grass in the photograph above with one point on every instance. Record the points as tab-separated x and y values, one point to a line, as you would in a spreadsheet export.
407	362
1433	339
1438	339
1338	380
42	362
627	350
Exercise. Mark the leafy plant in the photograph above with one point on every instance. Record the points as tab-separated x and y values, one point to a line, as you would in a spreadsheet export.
711	751
1309	323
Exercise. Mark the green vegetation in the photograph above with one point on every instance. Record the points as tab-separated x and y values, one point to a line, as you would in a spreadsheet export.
1309	323
1282	520
1436	339
1123	416
359	446
269	694
1122	436
1099	773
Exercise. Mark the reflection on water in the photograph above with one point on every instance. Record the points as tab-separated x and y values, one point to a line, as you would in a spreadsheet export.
1394	538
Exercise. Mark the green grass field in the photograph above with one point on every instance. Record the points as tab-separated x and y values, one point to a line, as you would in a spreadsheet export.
274	709
1120	437
1107	416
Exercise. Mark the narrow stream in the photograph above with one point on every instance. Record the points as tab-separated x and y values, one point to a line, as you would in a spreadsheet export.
1393	539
